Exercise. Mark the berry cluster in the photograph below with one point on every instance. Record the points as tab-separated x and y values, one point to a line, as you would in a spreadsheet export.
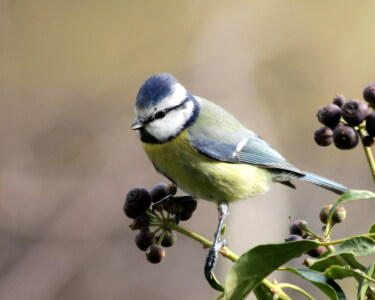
156	208
299	229
345	120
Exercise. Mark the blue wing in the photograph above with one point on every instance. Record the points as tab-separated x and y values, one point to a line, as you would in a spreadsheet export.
255	152
219	136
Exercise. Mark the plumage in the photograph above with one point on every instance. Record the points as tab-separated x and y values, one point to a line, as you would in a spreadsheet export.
205	150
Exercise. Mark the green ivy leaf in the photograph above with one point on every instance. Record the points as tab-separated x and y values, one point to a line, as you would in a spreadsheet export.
349	196
339	272
372	229
358	246
257	263
327	286
354	195
351	247
322	264
261	292
364	283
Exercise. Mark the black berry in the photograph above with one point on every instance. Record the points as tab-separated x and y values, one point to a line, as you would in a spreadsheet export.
136	202
323	136
339	100
368	141
369	94
370	124
141	222
184	216
345	137
169	238
171	206
172	189
144	238
298	227
354	112
155	254
316	252
329	115
189	205
159	191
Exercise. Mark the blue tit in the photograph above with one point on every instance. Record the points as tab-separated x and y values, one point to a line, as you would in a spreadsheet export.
207	152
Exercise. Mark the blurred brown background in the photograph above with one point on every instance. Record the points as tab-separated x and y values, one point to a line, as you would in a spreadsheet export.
70	71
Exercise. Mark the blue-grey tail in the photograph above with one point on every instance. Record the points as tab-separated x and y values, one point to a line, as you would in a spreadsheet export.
324	183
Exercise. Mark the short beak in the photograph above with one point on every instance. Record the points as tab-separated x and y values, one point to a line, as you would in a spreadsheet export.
137	124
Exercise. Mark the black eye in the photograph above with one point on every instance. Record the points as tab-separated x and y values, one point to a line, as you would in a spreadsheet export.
160	114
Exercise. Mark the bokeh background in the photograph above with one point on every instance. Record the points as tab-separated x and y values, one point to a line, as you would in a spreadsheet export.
70	71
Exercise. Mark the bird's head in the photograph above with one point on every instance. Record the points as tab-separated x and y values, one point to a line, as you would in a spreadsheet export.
164	108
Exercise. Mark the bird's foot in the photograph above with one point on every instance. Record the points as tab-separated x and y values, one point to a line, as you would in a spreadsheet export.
211	259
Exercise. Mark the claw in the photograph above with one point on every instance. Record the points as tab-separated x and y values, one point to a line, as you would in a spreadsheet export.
213	255
212	280
213	252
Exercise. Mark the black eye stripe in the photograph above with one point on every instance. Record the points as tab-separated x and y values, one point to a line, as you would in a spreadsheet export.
176	106
162	113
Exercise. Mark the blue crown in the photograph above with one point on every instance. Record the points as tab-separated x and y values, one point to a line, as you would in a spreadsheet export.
156	88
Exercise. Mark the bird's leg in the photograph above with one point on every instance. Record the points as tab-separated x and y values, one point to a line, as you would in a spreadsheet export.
218	243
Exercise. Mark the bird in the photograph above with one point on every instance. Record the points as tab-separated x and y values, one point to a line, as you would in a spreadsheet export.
208	153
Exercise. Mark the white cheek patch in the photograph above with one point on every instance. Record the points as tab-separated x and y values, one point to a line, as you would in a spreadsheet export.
172	124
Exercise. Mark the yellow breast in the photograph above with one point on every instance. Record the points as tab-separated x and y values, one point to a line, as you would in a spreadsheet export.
206	178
